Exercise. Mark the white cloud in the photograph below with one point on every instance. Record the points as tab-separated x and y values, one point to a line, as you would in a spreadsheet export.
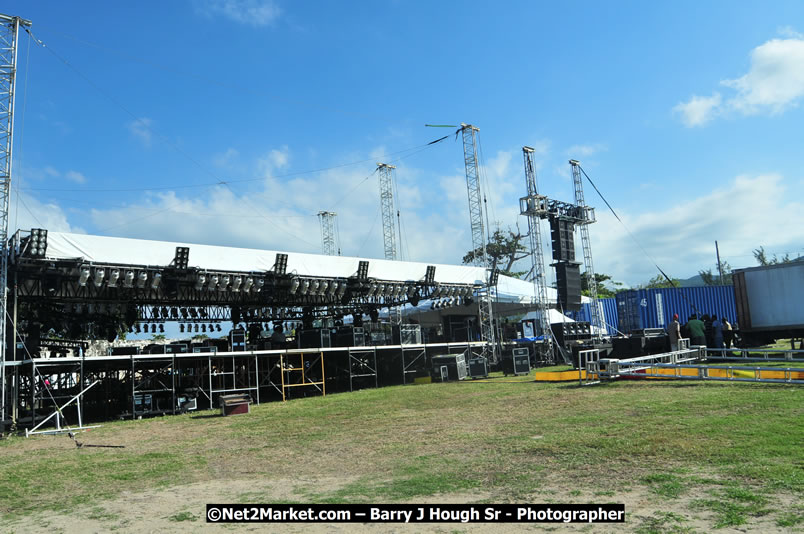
681	238
775	81
586	150
773	84
26	212
226	158
141	129
698	110
274	160
75	176
250	12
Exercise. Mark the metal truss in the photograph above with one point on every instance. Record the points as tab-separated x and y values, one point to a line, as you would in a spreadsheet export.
387	204
485	315
529	209
591	282
329	245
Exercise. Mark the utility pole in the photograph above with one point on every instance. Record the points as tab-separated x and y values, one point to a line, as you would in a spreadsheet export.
328	234
587	217
476	217
719	266
9	37
388	228
533	206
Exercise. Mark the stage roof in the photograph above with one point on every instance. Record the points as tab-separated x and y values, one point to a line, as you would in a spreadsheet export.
127	251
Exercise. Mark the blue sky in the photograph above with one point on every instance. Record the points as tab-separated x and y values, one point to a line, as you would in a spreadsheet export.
687	115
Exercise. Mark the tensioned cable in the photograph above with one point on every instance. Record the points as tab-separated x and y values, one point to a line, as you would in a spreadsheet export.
371	231
626	228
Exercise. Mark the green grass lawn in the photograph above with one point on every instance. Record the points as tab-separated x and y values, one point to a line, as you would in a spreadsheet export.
511	441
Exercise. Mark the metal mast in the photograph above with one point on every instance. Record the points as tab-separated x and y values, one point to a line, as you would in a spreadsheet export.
328	240
588	218
387	203
386	173
533	206
479	239
9	37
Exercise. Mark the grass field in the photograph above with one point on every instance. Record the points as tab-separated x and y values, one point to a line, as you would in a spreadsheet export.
703	455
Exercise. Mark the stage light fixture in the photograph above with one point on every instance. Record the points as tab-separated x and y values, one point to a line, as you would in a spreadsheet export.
494	277
237	281
281	264
181	328
314	287
97	279
429	277
224	283
341	289
128	279
137	328
322	287
37	243
249	282
211	327
333	287
83	276
114	276
204	328
142	278
196	327
182	258
153	329
161	329
155	282
294	286
362	270
218	327
259	283
380	290
200	280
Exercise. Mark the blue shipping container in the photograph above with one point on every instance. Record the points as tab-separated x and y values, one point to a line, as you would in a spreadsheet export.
654	308
608	307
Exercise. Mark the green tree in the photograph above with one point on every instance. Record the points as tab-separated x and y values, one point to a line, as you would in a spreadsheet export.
603	292
158	337
503	249
762	258
660	281
713	278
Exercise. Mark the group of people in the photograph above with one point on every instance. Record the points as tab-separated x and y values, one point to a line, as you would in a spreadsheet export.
708	330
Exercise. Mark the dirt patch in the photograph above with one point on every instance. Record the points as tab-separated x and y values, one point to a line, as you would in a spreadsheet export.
181	509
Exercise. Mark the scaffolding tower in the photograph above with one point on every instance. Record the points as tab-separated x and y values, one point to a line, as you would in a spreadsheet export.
533	206
329	241
476	216
587	219
387	204
386	173
9	37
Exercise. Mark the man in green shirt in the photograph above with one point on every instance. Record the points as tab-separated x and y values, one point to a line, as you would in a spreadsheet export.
697	331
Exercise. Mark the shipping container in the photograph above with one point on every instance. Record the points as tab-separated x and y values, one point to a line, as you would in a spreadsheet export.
770	299
654	308
608	313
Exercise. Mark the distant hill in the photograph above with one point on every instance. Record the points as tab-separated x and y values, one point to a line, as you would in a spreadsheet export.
693	281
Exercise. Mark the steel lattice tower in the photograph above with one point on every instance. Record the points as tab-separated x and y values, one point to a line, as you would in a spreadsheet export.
588	218
387	203
9	37
329	242
533	206
485	314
